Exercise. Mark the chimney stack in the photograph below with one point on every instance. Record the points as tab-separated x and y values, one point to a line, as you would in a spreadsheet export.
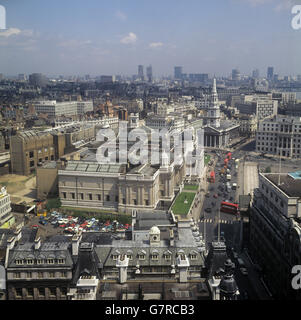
75	244
37	243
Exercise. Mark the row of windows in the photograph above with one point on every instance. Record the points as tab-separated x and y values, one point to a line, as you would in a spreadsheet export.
40	275
39	261
97	197
41	291
154	256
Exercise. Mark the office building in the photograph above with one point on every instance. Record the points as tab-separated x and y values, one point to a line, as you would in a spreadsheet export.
178	73
140	73
279	135
56	109
235	75
275	231
270	73
255	74
28	148
107	79
149	73
262	107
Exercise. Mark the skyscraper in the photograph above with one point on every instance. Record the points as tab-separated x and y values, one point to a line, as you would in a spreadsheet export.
255	74
270	73
235	75
140	72
178	73
149	73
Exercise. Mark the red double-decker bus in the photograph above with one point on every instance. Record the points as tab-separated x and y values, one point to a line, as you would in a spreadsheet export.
229	207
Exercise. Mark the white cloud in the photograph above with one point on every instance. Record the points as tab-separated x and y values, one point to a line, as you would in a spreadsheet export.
121	15
155	44
130	38
9	32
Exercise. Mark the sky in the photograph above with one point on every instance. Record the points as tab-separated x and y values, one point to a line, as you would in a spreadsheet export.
101	37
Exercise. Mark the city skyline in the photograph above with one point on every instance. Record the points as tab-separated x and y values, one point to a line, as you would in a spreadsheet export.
114	38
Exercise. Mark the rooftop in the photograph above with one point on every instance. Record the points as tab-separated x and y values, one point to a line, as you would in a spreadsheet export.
83	166
290	183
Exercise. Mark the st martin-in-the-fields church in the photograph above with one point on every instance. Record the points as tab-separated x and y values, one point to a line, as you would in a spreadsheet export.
218	133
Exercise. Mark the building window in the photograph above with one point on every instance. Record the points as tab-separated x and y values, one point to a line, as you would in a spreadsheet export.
64	195
50	261
40	275
81	195
99	197
115	257
31	154
141	257
17	275
193	256
90	196
19	262
155	256
30	292
41	292
40	261
63	291
28	275
167	257
51	274
73	195
52	291
19	292
107	198
130	256
61	261
63	274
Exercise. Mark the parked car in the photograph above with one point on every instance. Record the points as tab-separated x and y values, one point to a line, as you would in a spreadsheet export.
209	210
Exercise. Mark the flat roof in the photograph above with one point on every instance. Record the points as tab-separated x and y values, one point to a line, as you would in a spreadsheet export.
83	166
288	184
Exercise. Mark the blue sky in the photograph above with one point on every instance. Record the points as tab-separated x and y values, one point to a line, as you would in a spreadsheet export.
112	37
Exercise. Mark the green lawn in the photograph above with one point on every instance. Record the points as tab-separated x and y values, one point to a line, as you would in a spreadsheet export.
207	159
179	206
192	187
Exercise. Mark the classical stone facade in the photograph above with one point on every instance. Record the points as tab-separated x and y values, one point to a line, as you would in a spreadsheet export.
114	187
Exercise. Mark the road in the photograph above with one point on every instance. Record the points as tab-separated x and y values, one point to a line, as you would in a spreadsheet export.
229	225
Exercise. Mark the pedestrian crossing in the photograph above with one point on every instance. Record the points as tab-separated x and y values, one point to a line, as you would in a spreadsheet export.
217	221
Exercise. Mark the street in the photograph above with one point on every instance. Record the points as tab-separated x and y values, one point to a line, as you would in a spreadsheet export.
245	175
